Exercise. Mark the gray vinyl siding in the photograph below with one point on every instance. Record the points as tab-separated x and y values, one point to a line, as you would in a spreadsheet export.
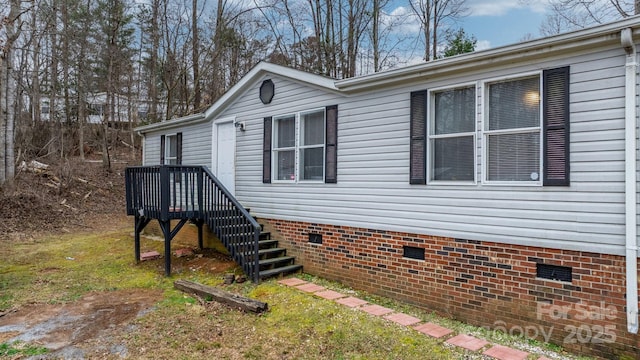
373	189
151	149
196	144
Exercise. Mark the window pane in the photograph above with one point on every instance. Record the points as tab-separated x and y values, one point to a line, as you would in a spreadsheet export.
312	164
514	157
453	159
454	111
312	128
171	150
514	104
286	165
286	132
173	145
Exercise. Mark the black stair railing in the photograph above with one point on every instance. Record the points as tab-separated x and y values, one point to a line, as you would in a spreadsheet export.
169	192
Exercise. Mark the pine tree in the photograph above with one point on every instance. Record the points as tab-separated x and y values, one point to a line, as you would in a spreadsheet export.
459	43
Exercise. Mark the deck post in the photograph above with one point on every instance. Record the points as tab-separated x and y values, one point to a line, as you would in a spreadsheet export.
199	224
165	194
139	225
165	225
137	239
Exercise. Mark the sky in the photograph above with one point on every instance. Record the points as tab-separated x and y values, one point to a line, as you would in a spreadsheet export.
501	22
493	22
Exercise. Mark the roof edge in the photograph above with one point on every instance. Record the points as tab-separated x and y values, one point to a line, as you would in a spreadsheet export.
264	67
258	70
168	124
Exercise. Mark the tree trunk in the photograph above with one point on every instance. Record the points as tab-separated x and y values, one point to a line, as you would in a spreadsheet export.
110	86
375	35
4	72
329	42
427	31
351	41
8	98
65	75
219	48
53	75
195	56
153	62
320	61
35	96
82	115
434	32
130	113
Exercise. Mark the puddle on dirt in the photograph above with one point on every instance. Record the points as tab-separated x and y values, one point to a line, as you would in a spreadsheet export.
60	327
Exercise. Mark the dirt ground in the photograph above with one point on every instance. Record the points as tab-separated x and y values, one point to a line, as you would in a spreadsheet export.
93	326
69	195
60	328
75	196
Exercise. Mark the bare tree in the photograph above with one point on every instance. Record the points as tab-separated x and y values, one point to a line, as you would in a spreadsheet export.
195	55
386	42
568	15
433	15
153	32
12	28
54	57
83	16
116	36
375	32
359	15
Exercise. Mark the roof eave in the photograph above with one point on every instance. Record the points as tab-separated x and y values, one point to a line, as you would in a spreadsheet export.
263	68
259	70
173	123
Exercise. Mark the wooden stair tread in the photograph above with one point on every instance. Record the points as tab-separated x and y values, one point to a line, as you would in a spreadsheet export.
268	242
280	270
270	251
275	260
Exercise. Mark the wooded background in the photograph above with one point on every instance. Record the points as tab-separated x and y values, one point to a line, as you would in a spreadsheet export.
151	60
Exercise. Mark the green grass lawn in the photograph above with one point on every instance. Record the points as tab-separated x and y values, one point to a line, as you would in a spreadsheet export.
61	269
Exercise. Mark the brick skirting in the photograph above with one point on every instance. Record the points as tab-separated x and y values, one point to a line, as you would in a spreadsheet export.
487	284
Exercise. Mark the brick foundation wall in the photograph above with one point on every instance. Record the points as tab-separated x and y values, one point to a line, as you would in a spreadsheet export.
486	284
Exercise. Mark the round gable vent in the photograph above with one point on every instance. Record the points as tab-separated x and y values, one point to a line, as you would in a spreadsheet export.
267	90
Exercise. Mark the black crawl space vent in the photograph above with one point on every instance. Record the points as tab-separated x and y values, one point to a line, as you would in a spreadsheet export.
315	238
413	252
553	272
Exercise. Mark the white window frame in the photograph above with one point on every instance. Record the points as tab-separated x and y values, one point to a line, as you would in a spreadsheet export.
430	136
297	147
167	149
486	133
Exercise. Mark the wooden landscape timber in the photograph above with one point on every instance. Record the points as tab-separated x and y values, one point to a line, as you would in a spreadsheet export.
233	300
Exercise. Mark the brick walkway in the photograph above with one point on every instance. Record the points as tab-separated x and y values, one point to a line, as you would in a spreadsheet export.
464	341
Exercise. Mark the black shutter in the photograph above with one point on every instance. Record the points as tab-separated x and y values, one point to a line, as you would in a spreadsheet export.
266	151
418	143
162	144
179	148
555	86
331	146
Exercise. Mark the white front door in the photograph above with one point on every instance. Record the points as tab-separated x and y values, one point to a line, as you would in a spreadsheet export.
224	153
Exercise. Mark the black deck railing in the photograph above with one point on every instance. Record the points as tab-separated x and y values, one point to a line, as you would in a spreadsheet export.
169	192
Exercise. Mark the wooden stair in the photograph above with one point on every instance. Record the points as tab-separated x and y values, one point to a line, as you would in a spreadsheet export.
154	192
274	260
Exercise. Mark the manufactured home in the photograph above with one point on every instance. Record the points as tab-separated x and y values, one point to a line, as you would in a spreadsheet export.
497	187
